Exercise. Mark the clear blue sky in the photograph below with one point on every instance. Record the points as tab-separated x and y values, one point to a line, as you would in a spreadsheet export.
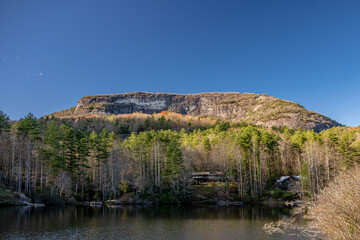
54	52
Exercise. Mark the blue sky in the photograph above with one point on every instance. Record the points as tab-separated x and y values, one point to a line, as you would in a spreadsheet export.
52	53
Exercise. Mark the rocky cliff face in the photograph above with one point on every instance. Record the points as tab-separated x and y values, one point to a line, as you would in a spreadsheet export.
259	109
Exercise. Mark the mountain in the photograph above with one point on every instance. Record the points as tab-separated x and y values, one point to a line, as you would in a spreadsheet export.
259	109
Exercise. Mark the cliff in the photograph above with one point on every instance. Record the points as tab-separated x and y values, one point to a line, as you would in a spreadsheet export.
258	109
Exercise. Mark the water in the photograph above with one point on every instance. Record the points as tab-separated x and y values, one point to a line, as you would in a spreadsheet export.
241	222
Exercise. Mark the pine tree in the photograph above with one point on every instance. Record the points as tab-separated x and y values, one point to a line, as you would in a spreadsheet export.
174	165
4	123
53	150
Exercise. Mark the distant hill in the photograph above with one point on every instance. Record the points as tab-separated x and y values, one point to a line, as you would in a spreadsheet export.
259	109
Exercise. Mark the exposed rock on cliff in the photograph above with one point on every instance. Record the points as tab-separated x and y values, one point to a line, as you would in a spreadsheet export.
258	109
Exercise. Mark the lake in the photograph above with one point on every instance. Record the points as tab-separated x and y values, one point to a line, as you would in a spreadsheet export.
130	222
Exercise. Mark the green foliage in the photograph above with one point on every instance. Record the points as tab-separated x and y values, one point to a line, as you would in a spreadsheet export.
288	196
244	138
147	123
305	179
27	126
298	139
222	126
98	196
280	194
147	196
66	149
54	147
70	153
158	158
240	124
4	122
4	203
124	129
276	193
103	146
160	124
168	198
164	198
173	165
248	198
288	132
5	193
347	148
207	144
269	140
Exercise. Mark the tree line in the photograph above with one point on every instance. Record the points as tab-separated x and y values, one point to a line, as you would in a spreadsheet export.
57	157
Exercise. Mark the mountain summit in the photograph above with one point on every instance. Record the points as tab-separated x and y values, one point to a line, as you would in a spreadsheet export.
259	109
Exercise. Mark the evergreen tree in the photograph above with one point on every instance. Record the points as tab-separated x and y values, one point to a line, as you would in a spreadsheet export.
54	151
174	165
4	122
70	151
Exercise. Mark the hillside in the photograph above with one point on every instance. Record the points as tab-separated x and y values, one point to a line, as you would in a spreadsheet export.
259	109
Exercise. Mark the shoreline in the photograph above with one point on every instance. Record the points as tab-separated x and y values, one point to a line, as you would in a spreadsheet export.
18	202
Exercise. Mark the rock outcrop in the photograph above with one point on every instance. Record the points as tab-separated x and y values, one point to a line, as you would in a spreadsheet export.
258	109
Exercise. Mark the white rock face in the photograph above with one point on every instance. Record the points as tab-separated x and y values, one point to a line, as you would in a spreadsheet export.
192	107
257	107
150	104
228	106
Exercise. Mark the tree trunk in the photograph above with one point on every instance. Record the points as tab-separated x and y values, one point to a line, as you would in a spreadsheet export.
13	161
27	183
20	168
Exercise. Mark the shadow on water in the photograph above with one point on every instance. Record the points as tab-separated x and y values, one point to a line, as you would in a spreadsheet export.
130	222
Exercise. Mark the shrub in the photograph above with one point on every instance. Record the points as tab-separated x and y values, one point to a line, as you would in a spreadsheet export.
49	200
98	195
168	199
147	196
172	199
288	196
247	198
164	198
335	214
4	203
336	211
277	193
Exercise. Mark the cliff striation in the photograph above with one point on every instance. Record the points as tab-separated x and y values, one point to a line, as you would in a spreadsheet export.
258	109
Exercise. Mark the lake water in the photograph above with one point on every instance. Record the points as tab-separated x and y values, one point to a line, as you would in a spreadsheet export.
240	222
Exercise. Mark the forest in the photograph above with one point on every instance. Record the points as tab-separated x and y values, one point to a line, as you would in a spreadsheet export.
102	158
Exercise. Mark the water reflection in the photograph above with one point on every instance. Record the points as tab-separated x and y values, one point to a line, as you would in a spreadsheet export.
168	222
